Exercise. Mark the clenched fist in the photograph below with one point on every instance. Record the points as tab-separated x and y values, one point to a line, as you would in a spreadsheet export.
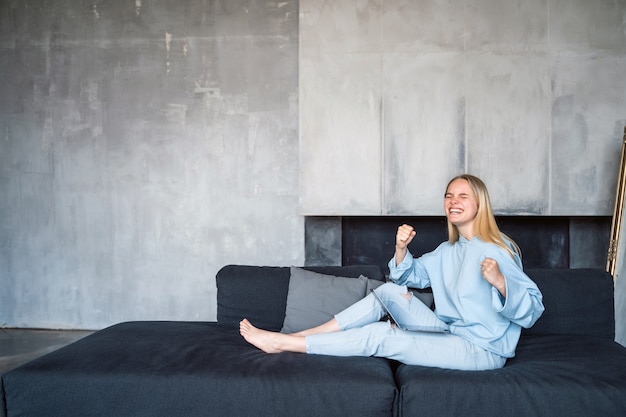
404	236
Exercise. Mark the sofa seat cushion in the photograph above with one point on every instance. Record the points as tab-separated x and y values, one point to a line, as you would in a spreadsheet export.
549	376
193	369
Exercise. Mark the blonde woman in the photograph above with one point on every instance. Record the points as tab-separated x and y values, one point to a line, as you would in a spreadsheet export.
482	297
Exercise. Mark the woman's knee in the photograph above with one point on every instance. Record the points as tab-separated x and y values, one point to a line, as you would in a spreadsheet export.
391	290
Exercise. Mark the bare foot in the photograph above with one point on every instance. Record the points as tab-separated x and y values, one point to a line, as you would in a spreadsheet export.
263	339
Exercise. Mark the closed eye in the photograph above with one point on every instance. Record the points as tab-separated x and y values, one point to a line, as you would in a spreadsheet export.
463	195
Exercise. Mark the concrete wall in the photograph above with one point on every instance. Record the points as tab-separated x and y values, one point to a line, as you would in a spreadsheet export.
143	145
398	96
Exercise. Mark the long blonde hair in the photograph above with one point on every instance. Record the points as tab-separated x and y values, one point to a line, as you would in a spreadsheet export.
485	226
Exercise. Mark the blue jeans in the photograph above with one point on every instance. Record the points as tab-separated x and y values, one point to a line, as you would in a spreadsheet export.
364	335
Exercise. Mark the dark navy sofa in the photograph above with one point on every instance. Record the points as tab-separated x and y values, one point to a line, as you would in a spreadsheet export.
566	365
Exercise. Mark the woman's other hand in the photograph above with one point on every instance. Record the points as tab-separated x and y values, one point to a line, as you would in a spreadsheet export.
491	273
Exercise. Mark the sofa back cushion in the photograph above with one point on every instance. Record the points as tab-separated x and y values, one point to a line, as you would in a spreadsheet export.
259	293
577	302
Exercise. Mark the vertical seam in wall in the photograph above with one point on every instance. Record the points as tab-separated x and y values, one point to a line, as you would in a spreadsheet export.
465	141
299	110
382	153
382	115
382	145
551	103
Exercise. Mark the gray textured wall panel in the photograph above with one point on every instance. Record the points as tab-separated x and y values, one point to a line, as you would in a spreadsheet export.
506	26
340	107
330	26
537	89
422	26
424	114
323	240
340	139
582	24
588	118
508	104
143	146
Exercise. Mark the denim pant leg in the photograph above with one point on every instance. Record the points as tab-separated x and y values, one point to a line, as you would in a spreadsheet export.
365	311
357	341
409	311
364	335
412	348
441	350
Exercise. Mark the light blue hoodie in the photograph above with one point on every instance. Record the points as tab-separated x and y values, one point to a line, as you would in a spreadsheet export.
473	308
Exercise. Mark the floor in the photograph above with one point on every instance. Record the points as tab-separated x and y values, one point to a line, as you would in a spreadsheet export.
18	346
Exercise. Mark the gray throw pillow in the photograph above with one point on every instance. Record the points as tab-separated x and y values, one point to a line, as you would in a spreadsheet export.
315	298
372	284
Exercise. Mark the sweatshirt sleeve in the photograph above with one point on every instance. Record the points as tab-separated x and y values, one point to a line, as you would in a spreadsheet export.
410	272
523	304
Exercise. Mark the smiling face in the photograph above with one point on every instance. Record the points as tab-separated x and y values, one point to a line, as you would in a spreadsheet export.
461	206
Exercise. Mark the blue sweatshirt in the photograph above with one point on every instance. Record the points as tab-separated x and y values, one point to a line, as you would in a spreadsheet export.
473	308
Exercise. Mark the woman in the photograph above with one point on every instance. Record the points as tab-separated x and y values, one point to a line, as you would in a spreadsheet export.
482	297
